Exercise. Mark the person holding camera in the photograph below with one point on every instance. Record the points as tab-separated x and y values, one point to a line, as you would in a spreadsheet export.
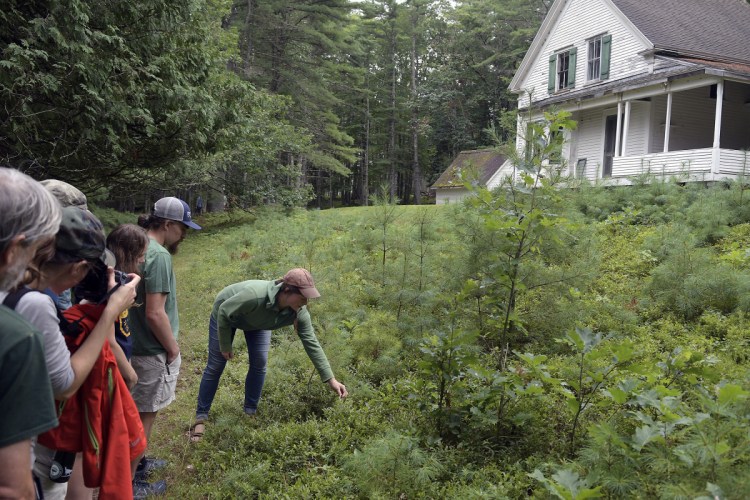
30	217
59	265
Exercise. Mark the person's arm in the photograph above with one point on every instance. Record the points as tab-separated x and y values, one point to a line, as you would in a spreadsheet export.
39	309
224	331
84	358
15	471
315	352
158	323
126	370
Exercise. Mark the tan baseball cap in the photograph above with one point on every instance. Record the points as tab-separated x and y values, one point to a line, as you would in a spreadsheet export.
302	279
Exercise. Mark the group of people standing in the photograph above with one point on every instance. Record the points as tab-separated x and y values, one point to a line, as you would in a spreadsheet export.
86	379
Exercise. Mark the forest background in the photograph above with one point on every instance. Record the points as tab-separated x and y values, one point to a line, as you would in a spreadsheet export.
274	101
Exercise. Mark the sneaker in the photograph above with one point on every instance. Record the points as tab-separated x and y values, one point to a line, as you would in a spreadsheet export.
147	465
142	489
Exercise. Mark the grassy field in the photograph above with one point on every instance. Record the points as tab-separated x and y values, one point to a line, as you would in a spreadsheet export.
341	248
637	323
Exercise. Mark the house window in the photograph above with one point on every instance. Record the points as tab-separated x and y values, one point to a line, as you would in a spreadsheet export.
595	59
599	49
562	70
563	63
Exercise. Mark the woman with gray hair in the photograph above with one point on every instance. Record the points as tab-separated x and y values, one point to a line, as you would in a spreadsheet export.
30	219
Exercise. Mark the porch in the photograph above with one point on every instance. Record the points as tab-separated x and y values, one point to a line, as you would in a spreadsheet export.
695	164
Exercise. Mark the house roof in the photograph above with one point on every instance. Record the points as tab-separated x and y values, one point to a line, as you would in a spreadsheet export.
484	161
715	29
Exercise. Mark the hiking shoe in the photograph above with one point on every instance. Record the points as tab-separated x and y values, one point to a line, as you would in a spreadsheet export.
142	489
148	465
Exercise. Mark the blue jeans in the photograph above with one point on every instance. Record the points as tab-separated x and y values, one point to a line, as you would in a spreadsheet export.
258	342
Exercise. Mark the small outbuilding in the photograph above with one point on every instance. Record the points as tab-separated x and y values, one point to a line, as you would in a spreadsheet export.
482	167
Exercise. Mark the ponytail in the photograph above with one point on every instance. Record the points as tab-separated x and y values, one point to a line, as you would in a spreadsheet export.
148	221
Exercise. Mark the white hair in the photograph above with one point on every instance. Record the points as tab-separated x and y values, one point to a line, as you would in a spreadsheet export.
26	207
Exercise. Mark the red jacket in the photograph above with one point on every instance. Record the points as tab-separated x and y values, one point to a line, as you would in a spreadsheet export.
100	419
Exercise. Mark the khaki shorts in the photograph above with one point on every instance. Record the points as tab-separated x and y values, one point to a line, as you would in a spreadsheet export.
156	381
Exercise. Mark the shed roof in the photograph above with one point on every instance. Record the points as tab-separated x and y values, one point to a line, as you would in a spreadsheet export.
714	29
485	161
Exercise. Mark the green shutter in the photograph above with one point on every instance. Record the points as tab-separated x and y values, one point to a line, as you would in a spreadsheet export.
606	46
572	67
551	77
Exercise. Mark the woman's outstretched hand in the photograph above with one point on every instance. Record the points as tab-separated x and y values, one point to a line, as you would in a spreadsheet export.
338	387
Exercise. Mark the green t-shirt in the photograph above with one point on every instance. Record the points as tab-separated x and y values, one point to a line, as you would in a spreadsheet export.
25	388
157	277
251	305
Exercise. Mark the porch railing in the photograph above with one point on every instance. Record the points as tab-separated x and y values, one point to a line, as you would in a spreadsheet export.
732	162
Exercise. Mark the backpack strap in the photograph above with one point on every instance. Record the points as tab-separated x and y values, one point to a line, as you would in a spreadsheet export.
69	329
12	299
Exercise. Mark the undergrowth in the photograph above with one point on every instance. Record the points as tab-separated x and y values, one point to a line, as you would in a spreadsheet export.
623	371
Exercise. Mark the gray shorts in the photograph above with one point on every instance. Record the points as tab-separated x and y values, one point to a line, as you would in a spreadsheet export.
156	381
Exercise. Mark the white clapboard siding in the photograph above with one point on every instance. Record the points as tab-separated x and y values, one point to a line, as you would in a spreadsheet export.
734	162
692	120
449	196
658	119
579	21
638	131
589	138
693	161
735	127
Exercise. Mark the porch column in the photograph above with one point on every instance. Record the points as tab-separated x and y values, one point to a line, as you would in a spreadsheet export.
520	134
625	127
717	127
668	122
618	130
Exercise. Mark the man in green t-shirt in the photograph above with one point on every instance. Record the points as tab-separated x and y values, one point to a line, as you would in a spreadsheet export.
156	324
31	217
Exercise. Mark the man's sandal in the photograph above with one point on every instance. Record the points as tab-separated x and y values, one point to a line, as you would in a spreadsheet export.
196	431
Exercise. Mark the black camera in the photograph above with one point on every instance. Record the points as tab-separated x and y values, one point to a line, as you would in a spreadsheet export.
62	466
94	286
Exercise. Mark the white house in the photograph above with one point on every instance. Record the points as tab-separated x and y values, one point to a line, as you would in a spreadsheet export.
480	166
657	87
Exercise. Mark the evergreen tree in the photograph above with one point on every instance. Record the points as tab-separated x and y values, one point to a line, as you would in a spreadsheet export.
114	93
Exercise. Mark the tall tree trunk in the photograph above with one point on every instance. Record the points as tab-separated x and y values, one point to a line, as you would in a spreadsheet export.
392	121
365	190
248	38
416	171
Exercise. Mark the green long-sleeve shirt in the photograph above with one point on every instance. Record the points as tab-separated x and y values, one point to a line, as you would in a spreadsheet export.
251	305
